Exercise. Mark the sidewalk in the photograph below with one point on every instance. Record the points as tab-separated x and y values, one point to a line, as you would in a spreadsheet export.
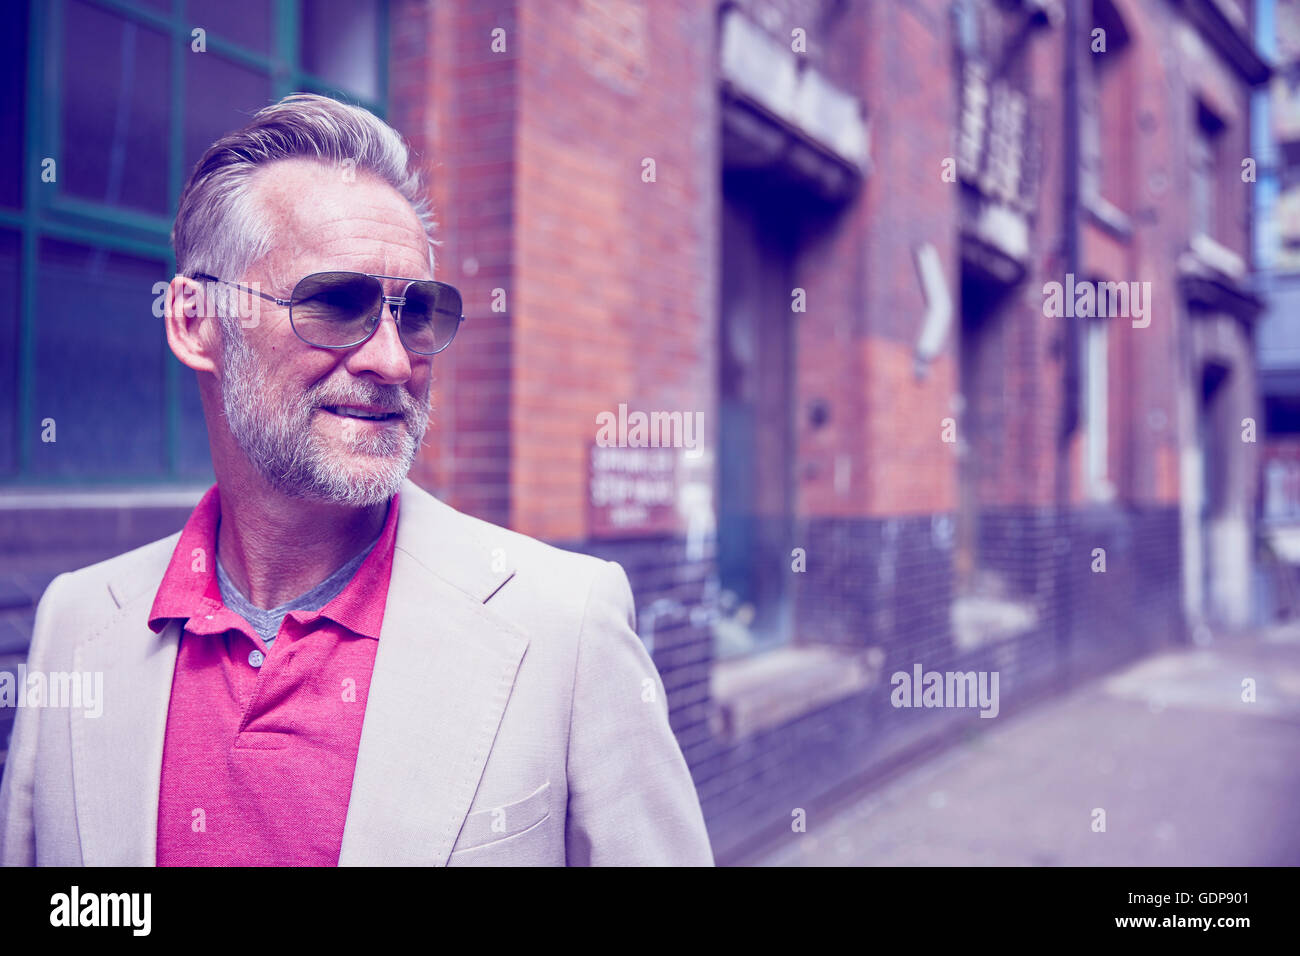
1187	773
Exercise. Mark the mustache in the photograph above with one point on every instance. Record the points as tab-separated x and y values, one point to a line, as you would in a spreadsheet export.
391	398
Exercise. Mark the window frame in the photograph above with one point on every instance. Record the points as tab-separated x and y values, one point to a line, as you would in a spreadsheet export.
43	213
1108	79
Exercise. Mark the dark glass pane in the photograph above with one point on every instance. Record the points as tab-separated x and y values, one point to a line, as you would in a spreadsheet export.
99	364
9	292
340	43
114	112
13	89
194	458
246	22
219	97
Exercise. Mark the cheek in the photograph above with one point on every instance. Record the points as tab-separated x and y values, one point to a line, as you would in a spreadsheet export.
307	373
422	388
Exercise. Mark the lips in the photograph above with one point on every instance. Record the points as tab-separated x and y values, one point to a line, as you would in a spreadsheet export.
362	412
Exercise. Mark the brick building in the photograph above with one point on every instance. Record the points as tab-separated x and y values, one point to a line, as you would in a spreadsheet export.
826	227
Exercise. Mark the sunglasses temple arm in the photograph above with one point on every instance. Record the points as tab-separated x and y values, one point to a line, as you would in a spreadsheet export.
268	298
242	288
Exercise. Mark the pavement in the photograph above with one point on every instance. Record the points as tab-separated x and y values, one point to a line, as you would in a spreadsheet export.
1187	772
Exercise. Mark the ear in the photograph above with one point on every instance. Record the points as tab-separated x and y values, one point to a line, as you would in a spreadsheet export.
193	327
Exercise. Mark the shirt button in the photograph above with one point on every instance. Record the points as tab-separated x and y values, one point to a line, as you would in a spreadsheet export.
256	657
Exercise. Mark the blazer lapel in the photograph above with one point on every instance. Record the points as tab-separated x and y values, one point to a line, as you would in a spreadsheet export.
444	669
117	756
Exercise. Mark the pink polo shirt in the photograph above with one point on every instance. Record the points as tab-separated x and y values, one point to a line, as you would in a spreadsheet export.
261	744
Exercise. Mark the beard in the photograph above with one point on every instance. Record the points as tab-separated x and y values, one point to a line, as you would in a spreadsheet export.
278	438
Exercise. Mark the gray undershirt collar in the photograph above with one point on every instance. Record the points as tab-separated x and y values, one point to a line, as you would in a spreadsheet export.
267	622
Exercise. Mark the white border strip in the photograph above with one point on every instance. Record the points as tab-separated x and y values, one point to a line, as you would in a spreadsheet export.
34	500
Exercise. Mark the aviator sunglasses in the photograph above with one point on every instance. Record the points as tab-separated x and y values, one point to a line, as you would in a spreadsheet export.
341	310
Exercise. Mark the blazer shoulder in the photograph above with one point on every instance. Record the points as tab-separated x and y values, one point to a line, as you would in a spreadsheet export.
125	575
78	603
534	555
459	539
564	599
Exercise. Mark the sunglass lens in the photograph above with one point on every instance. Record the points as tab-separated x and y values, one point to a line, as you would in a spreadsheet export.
431	316
335	308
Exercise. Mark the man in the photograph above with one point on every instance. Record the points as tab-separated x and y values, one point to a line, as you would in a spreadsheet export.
327	665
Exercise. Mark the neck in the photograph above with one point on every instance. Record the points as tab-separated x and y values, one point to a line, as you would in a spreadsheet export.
275	548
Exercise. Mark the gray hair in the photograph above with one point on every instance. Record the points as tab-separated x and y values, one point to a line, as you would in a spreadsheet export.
218	229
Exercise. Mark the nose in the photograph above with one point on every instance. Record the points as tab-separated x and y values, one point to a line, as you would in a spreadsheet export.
382	357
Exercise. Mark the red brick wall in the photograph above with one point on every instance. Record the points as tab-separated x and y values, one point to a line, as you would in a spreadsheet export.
907	204
829	368
456	101
615	279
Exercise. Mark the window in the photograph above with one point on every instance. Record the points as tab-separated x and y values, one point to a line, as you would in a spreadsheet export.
1207	140
1214	426
1106	110
1097	410
110	103
755	478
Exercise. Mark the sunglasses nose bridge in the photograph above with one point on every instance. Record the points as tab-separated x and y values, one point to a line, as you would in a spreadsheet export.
376	319
376	313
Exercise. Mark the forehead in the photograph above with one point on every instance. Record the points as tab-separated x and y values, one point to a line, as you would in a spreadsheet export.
332	217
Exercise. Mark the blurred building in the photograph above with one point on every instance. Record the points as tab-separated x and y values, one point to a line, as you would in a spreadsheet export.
1277	138
829	229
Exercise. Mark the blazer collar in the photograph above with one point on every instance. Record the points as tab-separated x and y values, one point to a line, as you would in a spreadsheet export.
444	670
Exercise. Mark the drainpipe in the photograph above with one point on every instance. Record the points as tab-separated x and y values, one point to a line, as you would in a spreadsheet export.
1065	572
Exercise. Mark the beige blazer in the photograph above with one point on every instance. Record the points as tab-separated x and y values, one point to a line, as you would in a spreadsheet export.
514	717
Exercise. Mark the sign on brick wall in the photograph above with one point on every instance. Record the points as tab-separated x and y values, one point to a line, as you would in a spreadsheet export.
632	491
